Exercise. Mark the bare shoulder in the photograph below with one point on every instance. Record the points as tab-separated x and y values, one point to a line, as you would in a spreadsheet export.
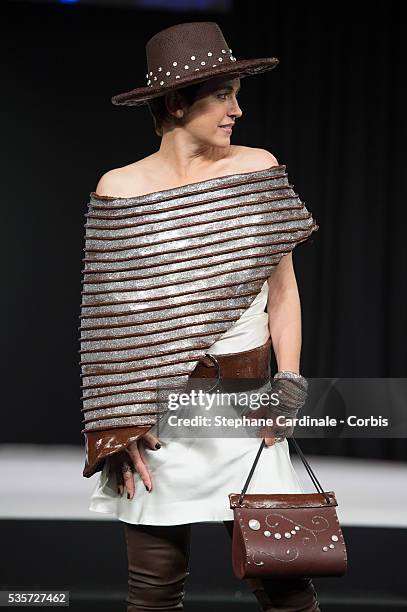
252	159
145	175
124	181
109	183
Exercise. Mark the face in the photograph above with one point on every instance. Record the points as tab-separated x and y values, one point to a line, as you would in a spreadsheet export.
215	105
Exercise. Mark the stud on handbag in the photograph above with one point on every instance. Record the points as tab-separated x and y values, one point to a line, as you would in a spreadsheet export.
286	534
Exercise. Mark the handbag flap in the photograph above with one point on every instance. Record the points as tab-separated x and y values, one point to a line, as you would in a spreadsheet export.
282	500
287	541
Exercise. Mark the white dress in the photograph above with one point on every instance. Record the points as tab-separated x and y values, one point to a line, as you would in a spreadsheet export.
193	476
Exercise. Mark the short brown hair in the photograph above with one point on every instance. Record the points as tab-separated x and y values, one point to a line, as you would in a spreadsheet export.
158	108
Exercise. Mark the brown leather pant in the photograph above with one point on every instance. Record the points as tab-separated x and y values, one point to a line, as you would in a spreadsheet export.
158	562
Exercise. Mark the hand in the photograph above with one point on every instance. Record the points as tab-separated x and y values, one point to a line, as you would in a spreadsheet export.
269	441
273	434
131	460
292	392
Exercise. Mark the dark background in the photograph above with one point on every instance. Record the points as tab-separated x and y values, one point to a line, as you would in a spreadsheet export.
333	111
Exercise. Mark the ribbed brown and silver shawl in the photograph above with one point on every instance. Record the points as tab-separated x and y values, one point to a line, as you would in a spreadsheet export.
166	275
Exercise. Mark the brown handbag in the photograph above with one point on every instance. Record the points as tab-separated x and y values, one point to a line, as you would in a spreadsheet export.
287	534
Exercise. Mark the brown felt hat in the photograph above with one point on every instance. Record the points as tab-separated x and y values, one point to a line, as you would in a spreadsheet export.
188	53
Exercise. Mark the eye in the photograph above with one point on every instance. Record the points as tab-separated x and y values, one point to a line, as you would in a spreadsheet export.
222	95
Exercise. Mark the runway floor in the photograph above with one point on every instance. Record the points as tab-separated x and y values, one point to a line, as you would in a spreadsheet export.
47	482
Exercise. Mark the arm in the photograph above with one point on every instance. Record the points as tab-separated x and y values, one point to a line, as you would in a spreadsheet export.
283	303
284	315
284	319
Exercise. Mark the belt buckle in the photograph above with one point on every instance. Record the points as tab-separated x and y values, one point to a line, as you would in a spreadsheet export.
217	364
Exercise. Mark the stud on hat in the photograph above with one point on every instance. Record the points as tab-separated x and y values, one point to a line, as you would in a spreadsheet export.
189	53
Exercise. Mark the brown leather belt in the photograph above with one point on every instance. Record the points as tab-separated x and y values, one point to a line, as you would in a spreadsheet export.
234	369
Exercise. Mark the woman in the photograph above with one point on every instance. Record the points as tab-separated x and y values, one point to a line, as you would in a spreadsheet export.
187	275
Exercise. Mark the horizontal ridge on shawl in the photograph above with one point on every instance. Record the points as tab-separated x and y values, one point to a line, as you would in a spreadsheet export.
166	275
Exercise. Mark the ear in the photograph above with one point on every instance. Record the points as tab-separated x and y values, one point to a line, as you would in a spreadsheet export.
174	103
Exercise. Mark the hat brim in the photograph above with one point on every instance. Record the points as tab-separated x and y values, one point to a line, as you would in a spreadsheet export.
240	68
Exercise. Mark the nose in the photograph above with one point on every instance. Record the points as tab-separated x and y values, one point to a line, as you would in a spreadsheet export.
235	111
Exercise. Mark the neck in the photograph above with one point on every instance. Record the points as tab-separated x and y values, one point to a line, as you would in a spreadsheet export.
184	158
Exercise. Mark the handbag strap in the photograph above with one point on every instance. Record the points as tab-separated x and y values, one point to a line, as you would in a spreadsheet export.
303	459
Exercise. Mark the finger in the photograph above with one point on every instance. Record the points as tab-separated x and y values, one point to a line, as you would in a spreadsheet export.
140	466
267	432
115	464
151	441
269	441
129	483
148	481
269	437
120	482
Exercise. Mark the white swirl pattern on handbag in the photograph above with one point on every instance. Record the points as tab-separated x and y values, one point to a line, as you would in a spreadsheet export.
292	553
